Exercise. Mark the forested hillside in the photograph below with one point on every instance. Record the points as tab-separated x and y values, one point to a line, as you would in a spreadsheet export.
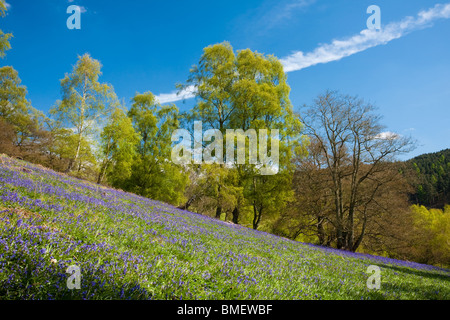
431	179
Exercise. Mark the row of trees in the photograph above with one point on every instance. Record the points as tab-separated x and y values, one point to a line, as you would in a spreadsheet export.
337	182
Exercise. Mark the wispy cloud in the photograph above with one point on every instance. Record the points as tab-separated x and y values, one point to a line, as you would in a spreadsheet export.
339	49
366	39
283	11
7	5
270	14
186	93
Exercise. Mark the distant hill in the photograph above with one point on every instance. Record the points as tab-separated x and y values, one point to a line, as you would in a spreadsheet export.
431	179
130	247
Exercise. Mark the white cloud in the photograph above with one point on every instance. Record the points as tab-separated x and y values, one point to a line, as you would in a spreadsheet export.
187	93
7	5
387	135
366	39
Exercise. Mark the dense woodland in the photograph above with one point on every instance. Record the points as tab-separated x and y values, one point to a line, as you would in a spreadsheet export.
432	179
339	183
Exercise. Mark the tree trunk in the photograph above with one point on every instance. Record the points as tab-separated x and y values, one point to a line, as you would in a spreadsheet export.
350	233
219	205
218	212
102	172
339	227
363	230
77	153
187	204
320	231
257	212
236	215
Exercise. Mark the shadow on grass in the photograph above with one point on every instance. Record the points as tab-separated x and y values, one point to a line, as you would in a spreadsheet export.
417	289
432	274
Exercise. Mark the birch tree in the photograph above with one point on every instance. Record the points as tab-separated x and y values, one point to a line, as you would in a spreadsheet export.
85	102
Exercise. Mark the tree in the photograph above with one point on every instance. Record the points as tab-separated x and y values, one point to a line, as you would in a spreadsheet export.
60	151
153	174
118	142
432	229
307	216
246	91
85	101
14	106
357	154
7	139
261	99
25	125
24	135
4	37
212	79
215	190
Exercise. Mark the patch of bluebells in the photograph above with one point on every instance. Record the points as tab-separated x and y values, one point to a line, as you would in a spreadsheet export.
131	247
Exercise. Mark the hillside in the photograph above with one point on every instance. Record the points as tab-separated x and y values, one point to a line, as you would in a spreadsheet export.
130	247
432	178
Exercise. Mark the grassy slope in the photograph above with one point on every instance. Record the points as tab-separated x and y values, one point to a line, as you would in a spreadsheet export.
132	247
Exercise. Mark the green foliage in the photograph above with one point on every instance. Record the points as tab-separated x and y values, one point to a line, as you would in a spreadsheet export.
4	37
118	142
14	107
216	187
27	137
247	90
431	178
433	229
213	79
153	174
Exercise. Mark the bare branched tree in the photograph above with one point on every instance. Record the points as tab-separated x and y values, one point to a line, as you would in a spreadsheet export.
357	155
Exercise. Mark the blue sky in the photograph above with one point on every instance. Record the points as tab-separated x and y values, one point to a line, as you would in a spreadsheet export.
404	69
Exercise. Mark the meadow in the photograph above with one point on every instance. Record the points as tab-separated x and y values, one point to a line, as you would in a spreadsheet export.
130	247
